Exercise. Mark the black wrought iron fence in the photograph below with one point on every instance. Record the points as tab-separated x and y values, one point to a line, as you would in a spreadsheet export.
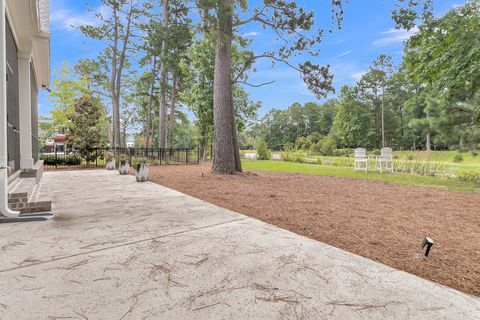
58	158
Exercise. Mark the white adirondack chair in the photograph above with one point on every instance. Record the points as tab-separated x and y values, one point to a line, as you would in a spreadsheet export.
385	160
361	159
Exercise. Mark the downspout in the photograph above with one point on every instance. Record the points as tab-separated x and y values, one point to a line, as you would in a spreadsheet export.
4	209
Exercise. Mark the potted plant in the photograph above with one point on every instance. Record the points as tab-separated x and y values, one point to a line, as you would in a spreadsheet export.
141	171
123	166
110	159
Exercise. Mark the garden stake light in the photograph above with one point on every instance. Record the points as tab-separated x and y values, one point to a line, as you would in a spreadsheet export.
428	243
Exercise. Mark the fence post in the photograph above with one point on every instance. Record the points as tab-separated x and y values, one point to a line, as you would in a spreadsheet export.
198	154
96	157
56	162
160	155
186	156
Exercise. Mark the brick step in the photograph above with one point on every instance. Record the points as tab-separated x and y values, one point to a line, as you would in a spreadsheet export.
20	190
26	196
39	201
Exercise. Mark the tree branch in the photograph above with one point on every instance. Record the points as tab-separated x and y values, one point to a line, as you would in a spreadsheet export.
256	85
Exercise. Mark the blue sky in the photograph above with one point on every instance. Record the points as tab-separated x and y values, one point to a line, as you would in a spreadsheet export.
367	32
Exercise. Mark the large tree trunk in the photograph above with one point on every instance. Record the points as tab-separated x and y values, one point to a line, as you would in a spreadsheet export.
110	134
402	130
383	121
162	129
173	102
224	161
204	138
428	143
118	63
124	138
203	144
238	161
116	122
148	135
113	79
203	123
428	140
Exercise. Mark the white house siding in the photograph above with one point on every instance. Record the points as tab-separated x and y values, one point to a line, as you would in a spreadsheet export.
13	122
28	69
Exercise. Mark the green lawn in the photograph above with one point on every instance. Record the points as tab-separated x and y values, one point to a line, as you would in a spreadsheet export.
347	172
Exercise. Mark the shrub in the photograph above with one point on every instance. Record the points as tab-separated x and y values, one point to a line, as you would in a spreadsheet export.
474	153
299	159
122	160
137	164
49	161
108	156
327	145
342	153
294	156
376	152
72	161
469	175
68	161
458	158
289	146
263	151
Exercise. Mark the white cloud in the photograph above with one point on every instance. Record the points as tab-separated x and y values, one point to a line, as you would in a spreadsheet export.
251	34
347	72
343	54
394	36
358	75
64	17
300	88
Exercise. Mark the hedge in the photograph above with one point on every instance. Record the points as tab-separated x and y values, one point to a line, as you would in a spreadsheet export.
68	161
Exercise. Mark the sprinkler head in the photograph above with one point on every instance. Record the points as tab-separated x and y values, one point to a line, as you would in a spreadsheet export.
427	242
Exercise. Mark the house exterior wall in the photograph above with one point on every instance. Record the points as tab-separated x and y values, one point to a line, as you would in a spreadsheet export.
27	69
13	122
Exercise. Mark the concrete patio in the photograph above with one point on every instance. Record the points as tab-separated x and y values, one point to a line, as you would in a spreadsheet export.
118	249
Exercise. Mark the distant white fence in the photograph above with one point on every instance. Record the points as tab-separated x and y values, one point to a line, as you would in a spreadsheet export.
250	156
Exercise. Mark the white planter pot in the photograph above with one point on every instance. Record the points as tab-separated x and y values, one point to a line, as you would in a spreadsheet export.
142	173
123	169
111	165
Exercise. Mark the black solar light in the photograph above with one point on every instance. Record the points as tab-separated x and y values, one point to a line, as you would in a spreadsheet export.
427	242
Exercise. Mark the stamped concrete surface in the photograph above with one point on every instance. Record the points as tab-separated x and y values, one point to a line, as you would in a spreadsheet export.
118	249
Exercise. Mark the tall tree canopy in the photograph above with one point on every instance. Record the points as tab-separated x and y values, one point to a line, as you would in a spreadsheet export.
119	22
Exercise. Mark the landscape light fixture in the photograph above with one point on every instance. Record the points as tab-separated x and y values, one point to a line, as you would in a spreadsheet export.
428	243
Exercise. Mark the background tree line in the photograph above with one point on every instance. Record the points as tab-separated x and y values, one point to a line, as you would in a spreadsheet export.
431	100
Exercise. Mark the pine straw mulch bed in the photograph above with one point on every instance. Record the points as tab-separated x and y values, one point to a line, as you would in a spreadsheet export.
381	221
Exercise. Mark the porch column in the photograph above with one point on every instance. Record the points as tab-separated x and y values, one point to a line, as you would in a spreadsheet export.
25	110
4	209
